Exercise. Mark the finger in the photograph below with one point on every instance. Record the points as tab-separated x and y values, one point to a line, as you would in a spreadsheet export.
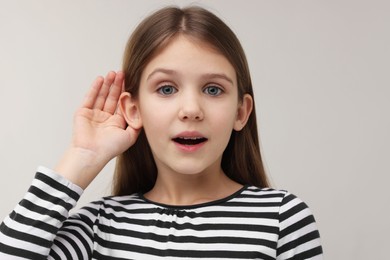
92	94
133	133
104	90
114	94
123	83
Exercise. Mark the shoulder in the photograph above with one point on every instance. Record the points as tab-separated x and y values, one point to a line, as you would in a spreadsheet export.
289	210
298	236
109	207
117	203
277	197
285	199
253	191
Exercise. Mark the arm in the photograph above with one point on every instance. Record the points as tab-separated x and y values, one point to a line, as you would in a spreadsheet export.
100	132
40	225
298	234
30	229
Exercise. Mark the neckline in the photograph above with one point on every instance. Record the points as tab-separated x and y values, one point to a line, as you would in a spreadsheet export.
197	205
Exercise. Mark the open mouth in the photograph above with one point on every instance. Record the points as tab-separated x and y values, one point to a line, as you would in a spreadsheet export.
189	140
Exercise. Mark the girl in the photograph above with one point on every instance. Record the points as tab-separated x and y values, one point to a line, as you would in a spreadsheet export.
189	179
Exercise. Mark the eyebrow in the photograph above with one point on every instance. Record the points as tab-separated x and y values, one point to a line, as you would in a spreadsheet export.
206	76
161	70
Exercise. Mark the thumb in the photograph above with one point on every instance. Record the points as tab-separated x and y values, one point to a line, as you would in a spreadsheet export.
132	134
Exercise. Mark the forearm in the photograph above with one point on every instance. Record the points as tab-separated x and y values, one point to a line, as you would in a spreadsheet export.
29	231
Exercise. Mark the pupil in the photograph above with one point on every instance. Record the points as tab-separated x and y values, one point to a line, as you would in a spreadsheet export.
213	90
167	90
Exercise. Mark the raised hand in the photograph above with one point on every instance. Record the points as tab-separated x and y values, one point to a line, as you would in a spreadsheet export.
100	132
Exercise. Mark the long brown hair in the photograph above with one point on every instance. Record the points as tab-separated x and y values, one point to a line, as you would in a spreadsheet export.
136	170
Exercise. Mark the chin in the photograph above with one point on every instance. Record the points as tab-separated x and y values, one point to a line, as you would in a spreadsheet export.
194	170
189	171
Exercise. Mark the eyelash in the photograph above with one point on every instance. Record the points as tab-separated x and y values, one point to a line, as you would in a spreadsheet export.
161	89
219	90
206	90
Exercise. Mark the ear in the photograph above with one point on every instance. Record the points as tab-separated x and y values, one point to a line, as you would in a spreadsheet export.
243	112
130	110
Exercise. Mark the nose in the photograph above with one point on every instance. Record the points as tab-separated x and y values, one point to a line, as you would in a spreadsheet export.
191	108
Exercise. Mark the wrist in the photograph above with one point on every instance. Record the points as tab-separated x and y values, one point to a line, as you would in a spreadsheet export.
80	166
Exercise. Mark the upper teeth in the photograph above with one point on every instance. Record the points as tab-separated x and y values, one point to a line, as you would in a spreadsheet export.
191	138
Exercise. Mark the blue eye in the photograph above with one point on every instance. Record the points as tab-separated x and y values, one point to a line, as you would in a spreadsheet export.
167	90
213	90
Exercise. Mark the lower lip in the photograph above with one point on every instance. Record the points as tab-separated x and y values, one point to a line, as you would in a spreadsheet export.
190	148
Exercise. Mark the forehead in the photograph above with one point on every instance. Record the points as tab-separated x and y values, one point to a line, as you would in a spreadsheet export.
190	55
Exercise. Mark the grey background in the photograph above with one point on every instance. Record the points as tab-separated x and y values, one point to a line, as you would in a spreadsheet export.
321	76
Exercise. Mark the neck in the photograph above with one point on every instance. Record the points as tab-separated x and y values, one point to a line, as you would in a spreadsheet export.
189	189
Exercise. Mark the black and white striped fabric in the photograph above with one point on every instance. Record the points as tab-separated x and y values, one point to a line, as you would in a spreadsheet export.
253	223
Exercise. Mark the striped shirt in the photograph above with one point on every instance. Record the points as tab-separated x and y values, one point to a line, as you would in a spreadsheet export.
253	223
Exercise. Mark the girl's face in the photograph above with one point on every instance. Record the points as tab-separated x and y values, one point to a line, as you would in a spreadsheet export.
188	105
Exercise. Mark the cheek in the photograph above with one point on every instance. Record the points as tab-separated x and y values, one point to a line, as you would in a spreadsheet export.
225	114
222	124
152	111
156	121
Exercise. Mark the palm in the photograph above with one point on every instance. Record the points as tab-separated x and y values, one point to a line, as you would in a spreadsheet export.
97	128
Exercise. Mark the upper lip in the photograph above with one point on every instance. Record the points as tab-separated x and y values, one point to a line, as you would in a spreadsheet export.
189	135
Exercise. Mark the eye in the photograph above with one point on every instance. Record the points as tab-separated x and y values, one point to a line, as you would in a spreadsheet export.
213	90
166	90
